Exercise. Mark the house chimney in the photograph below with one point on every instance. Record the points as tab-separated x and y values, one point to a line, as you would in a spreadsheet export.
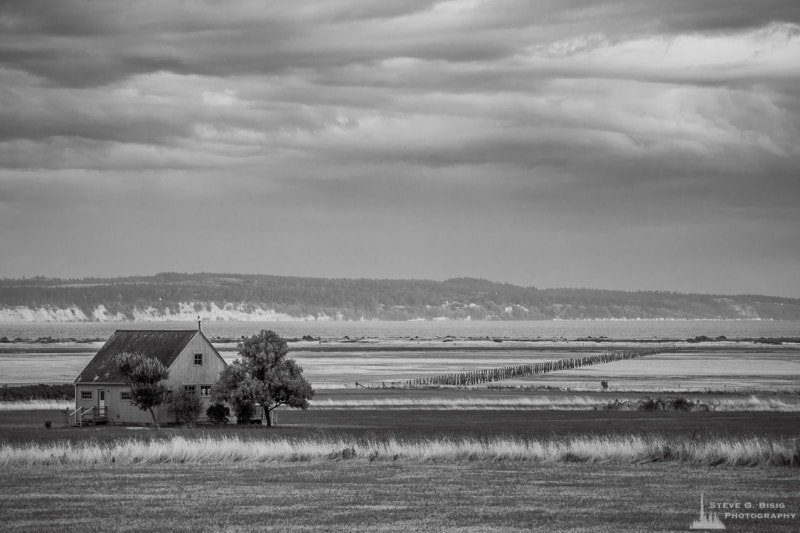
199	327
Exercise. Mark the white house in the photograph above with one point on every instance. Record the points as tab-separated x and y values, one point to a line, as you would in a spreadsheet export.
103	396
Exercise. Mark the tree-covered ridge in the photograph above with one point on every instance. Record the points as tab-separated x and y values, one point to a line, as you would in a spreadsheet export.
355	299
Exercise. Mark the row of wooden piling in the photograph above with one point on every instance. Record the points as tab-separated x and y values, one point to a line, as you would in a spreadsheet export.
488	375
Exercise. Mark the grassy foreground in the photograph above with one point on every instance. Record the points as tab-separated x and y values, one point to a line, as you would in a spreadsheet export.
454	470
384	496
735	451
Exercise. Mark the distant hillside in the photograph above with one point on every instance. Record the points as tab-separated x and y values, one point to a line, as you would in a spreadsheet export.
173	296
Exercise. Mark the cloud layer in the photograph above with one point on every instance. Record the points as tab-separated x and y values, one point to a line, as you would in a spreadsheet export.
621	144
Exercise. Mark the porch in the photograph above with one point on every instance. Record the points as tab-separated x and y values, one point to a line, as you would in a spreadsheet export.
88	416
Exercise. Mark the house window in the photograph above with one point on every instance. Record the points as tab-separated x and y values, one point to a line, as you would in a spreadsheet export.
125	395
191	389
205	390
86	395
198	359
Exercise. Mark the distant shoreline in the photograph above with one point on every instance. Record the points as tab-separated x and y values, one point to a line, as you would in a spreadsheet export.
430	343
212	297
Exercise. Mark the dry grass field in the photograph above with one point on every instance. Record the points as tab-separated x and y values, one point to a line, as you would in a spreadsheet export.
384	496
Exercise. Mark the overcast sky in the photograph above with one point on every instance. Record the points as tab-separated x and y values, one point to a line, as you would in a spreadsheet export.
626	144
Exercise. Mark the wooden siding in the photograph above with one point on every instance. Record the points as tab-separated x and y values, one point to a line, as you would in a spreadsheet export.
120	411
184	372
80	403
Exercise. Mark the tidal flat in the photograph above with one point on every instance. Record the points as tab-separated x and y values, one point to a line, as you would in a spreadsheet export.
725	366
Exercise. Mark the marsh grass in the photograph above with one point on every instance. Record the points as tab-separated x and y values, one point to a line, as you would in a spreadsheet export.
37	405
559	403
433	403
577	402
627	449
757	403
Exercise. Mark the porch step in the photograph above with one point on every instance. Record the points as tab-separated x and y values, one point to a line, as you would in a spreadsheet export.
87	417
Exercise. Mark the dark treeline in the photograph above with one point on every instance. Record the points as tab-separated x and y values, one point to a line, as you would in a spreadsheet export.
355	299
487	375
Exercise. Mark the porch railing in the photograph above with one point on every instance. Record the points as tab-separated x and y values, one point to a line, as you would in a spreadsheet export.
86	415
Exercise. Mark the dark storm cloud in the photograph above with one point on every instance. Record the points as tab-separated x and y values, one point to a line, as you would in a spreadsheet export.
718	15
100	46
410	126
79	43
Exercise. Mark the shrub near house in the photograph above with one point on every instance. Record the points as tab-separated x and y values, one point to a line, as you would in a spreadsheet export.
194	365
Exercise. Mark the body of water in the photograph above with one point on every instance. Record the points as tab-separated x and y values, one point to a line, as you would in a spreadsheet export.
628	329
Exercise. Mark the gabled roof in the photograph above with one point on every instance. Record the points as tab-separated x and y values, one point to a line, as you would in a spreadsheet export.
164	345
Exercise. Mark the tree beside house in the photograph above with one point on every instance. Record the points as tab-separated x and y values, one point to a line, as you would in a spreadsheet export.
263	379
